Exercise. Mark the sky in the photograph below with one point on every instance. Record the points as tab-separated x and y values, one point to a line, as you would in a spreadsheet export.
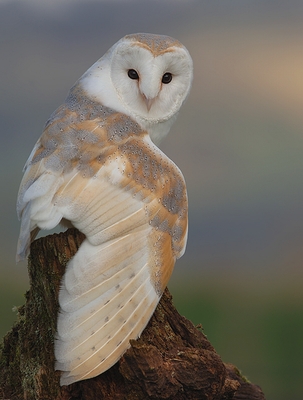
238	139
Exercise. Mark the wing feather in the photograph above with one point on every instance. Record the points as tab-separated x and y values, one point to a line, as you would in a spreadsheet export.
102	315
130	201
96	330
131	328
85	273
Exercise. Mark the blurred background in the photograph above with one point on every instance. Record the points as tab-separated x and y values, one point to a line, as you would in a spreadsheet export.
238	141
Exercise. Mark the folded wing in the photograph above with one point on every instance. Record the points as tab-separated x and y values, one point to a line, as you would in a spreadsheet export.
130	201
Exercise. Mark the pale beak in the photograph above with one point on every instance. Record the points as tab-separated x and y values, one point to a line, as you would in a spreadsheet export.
148	101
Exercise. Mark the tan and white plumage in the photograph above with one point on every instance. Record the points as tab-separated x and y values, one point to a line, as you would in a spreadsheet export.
96	166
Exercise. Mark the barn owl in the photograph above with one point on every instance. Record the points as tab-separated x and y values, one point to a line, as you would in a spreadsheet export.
97	166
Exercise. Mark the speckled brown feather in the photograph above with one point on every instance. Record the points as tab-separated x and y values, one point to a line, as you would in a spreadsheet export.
77	138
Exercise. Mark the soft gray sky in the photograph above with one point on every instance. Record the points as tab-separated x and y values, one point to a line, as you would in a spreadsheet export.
238	139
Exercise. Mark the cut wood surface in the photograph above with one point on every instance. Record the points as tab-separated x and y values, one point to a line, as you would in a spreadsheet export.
172	359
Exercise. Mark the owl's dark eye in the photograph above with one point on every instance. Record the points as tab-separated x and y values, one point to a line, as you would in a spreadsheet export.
167	77
132	74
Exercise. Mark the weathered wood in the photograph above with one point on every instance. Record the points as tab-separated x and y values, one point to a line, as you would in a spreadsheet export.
171	360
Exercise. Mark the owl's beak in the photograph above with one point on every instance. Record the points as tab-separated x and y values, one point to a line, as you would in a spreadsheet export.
148	101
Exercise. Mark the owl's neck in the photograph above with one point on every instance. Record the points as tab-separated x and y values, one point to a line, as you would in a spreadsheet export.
157	130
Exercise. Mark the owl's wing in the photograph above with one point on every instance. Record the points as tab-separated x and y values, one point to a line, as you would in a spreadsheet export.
130	201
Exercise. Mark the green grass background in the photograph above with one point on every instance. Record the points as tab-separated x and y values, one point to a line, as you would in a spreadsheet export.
259	328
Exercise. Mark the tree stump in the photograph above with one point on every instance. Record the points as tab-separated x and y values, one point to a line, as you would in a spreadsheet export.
171	360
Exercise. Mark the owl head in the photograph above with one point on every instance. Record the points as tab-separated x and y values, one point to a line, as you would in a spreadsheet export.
144	76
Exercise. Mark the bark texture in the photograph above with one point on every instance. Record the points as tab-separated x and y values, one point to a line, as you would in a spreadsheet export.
171	360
